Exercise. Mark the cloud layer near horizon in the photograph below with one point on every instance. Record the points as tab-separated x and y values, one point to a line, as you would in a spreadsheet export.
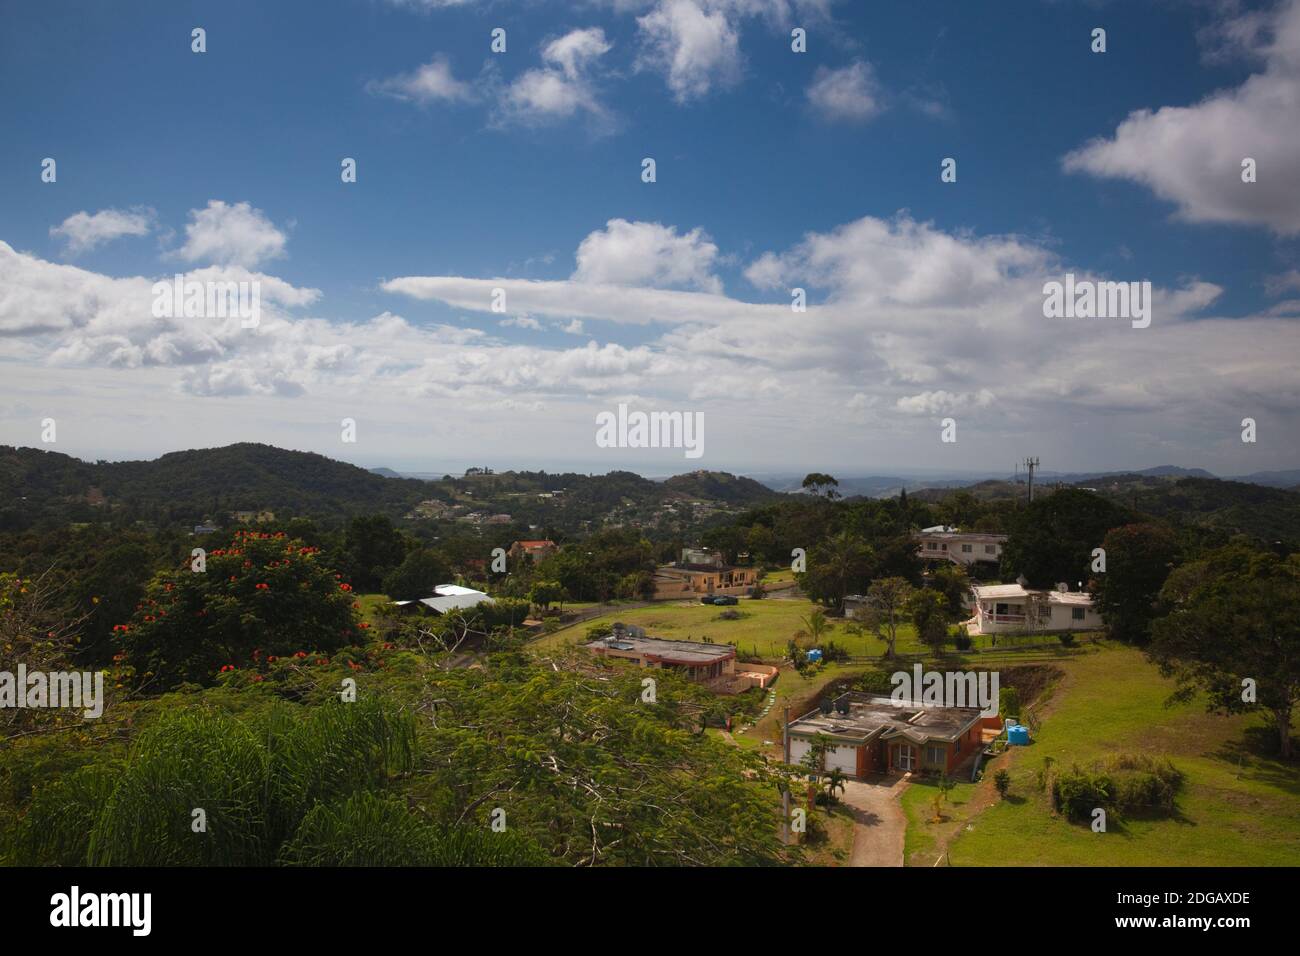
906	323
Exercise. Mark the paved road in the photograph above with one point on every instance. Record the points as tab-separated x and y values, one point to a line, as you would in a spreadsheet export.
879	821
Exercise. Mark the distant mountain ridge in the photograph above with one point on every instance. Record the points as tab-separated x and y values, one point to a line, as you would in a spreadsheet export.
187	487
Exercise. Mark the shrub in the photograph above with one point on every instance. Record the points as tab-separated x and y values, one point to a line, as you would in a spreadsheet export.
1009	702
1077	792
1125	783
1143	782
1066	639
1002	781
832	652
597	631
961	638
371	830
256	779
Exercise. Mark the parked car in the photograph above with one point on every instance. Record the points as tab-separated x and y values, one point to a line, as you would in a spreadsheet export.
708	599
725	599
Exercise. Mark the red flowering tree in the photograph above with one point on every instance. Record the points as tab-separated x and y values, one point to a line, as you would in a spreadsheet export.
266	595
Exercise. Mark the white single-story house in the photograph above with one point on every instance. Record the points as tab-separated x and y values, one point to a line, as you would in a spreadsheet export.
1006	608
447	597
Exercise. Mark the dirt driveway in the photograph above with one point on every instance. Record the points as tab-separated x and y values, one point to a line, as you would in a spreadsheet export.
879	822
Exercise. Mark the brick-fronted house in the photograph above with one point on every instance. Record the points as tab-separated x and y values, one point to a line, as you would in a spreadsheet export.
878	735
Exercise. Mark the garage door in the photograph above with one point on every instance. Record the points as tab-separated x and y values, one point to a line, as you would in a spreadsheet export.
845	758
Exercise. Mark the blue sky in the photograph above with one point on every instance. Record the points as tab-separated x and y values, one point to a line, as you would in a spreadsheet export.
824	166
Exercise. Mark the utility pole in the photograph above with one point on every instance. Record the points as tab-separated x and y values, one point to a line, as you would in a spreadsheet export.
1031	464
785	794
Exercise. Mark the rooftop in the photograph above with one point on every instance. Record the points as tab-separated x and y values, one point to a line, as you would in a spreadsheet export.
948	534
659	649
447	597
1017	592
869	716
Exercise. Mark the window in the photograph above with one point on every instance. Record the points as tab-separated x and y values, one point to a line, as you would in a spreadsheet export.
905	757
1076	614
935	755
966	549
990	549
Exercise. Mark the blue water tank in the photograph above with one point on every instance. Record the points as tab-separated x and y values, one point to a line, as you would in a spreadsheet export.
815	654
1018	734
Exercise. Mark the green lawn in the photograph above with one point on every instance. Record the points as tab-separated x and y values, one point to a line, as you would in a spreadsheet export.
1237	807
370	603
764	627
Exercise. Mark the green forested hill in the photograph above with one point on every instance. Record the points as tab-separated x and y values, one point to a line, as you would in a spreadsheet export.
720	486
1228	507
188	486
43	488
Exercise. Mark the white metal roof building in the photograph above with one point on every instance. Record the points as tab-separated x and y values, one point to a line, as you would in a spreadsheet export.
449	597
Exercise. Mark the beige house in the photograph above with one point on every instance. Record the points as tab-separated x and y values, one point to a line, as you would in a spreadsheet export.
699	573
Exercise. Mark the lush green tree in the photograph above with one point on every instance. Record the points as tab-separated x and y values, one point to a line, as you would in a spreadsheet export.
108	591
953	583
372	548
1232	631
265	593
595	774
545	593
417	575
928	612
1139	558
1053	539
836	567
821	484
886	610
895	557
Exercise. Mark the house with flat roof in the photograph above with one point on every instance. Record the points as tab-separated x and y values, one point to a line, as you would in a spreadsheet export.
693	659
942	543
1003	608
872	734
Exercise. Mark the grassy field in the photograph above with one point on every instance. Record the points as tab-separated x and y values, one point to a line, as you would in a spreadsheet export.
763	628
370	603
1238	806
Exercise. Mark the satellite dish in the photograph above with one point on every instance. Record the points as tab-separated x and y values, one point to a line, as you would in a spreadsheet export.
1063	587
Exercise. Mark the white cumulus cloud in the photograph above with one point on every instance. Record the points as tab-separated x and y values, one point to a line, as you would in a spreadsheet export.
83	231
